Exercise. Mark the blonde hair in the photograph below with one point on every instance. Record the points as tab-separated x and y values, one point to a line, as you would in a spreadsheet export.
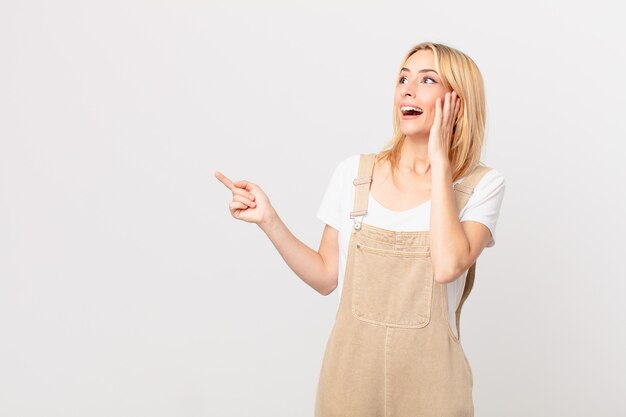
459	72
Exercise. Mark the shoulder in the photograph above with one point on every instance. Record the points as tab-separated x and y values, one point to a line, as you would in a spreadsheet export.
347	167
489	190
349	164
492	180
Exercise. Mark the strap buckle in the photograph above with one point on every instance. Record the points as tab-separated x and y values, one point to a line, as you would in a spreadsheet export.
362	180
357	224
463	188
354	215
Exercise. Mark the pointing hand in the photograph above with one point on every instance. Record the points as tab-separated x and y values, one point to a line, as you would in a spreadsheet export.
249	202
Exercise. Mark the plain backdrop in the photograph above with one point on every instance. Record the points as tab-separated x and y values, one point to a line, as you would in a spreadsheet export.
127	289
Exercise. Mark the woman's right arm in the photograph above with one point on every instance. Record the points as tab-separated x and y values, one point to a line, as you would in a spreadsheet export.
318	269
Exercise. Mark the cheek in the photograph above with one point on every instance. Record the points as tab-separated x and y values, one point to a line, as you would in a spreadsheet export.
430	113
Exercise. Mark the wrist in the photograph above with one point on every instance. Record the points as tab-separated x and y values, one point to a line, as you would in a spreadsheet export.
269	221
440	163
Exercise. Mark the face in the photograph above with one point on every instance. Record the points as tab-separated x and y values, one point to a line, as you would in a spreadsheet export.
418	85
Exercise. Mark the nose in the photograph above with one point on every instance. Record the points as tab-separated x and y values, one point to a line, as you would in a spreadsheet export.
407	90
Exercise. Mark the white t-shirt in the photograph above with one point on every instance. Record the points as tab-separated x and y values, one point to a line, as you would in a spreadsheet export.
338	201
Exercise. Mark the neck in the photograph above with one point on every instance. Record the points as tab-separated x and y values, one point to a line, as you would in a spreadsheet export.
414	156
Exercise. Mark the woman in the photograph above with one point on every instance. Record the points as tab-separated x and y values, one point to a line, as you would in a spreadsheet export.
403	230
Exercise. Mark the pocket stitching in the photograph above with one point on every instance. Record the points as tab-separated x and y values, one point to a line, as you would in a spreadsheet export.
425	318
420	254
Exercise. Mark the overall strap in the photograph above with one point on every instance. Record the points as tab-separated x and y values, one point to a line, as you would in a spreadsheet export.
362	185
465	188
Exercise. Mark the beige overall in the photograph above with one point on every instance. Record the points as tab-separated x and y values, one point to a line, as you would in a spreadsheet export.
392	352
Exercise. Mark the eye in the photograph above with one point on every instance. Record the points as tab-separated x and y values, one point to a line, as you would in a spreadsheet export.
425	78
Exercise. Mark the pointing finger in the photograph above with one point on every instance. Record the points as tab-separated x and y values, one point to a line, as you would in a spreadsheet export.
227	182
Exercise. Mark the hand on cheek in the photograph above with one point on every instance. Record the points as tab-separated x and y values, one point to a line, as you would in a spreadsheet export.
441	131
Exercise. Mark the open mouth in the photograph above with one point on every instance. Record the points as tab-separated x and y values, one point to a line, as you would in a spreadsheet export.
408	111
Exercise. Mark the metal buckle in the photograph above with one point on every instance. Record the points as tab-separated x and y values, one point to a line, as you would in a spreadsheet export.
357	224
462	188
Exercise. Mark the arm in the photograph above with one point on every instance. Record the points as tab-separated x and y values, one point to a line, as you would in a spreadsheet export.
318	269
454	245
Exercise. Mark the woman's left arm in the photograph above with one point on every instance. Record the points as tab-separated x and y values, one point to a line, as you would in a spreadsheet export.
454	246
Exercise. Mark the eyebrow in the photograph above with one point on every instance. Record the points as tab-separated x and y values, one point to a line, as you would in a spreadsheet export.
422	70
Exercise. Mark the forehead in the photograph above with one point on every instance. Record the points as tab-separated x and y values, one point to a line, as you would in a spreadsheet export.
424	58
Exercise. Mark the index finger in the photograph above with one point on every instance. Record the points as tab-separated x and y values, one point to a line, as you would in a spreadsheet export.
437	109
227	182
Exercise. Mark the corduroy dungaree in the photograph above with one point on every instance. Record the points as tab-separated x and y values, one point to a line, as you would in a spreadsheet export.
392	352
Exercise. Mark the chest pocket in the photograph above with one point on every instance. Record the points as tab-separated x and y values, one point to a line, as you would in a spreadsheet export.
392	286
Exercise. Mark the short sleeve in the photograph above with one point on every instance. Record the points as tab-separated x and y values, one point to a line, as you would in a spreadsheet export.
484	204
329	210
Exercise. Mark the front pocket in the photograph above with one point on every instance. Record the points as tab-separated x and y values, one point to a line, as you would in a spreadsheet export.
392	287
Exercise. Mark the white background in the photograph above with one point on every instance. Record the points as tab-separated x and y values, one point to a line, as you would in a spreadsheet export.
127	289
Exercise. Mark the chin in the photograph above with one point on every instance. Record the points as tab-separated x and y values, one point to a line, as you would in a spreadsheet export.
407	131
413	129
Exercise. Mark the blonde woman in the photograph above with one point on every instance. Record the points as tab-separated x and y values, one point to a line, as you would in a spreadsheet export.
403	230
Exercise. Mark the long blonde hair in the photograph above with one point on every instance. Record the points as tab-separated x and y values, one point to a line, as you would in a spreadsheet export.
461	73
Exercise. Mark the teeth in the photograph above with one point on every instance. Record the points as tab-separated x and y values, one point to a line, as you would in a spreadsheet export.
407	108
